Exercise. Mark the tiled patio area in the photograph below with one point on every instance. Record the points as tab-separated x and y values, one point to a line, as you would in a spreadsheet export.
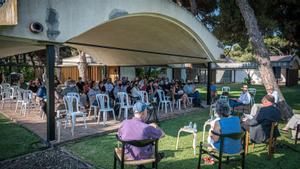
36	124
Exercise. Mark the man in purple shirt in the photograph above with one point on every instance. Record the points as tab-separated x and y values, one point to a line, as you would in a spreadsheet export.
137	129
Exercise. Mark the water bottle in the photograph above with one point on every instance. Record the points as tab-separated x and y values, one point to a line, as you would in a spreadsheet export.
191	125
195	127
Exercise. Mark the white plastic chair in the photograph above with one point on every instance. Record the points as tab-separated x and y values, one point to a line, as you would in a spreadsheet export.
3	87
124	104
27	102
163	102
15	93
252	92
212	116
7	96
178	103
92	107
19	99
104	106
74	94
225	89
72	111
144	97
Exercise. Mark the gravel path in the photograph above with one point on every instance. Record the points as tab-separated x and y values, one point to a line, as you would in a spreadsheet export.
47	159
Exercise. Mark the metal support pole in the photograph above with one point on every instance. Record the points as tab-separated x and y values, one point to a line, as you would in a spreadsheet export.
208	83
50	93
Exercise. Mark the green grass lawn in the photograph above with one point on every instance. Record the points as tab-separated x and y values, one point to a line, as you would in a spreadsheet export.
15	140
291	94
99	150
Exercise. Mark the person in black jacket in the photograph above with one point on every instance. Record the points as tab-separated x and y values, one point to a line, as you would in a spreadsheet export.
260	124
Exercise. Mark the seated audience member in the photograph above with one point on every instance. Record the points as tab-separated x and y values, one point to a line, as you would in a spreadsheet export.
22	84
70	87
151	90
260	124
32	86
135	92
271	91
137	129
117	89
244	98
292	124
109	86
101	87
41	94
190	89
56	81
91	95
80	83
225	124
213	92
178	93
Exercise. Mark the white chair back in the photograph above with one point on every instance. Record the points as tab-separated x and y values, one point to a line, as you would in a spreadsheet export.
161	95
20	94
252	92
225	89
223	98
144	96
74	94
103	101
15	92
7	93
5	85
71	103
27	96
212	111
123	98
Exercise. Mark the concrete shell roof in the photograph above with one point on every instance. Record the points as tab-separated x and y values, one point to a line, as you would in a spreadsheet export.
114	32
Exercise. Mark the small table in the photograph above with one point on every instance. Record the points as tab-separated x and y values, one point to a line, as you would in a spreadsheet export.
188	130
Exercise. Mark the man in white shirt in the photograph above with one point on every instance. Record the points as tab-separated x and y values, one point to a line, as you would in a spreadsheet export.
108	86
271	91
244	98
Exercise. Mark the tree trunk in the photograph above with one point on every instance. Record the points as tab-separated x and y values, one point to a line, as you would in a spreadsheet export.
262	55
83	66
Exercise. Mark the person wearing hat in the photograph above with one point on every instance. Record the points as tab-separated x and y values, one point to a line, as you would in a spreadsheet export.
260	124
224	124
244	98
137	129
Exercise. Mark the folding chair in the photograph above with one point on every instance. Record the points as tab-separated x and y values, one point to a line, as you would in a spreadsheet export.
219	154
119	153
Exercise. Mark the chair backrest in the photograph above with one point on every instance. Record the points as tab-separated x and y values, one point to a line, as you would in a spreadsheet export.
20	94
138	143
212	111
73	94
144	96
252	92
103	101
161	95
15	92
7	93
229	143
27	96
123	98
5	85
225	89
71	103
223	98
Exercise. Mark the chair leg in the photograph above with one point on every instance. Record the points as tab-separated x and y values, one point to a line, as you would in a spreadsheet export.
243	160
84	120
126	113
120	111
220	161
115	162
114	115
200	156
99	115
